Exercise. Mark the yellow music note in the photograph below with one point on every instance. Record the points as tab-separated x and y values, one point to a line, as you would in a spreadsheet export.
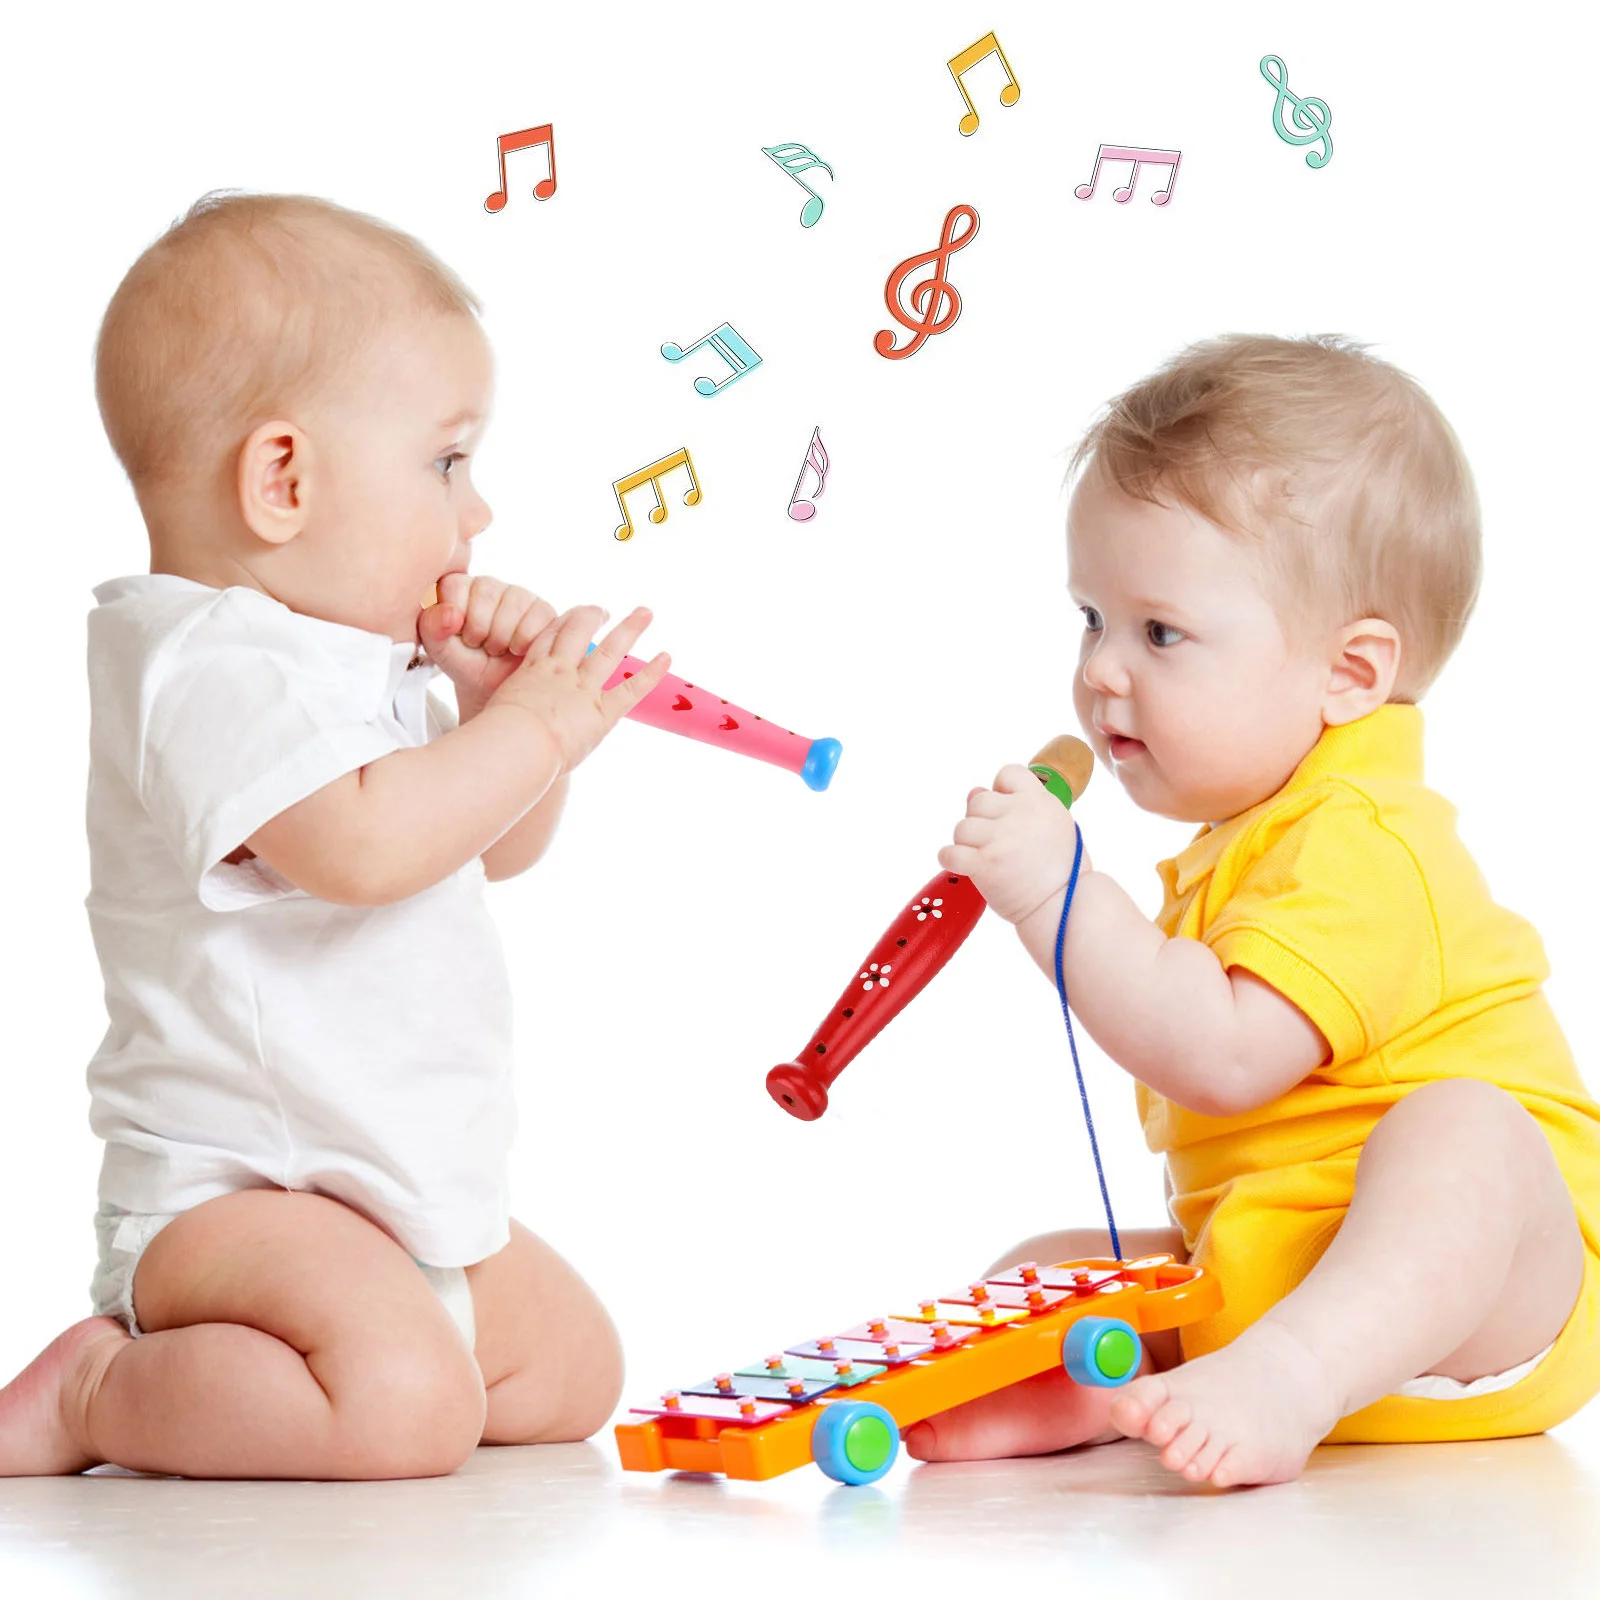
988	45
650	475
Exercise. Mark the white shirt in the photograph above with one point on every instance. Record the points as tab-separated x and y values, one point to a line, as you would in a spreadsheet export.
258	1035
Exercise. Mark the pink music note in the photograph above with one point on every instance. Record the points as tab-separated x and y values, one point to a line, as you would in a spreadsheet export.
1139	157
526	140
817	460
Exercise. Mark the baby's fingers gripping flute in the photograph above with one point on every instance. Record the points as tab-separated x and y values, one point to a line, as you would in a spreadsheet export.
919	941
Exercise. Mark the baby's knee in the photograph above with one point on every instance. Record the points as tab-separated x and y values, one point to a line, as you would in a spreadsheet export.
408	1409
1459	1113
594	1385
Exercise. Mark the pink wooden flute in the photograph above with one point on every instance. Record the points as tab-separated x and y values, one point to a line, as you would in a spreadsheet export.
925	934
697	713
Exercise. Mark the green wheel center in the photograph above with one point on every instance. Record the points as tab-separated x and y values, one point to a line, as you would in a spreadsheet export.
1116	1352
868	1443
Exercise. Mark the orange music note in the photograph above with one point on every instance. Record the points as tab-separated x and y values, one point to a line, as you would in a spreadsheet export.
525	140
988	45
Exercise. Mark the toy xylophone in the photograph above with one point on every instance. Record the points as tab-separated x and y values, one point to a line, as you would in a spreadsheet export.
843	1399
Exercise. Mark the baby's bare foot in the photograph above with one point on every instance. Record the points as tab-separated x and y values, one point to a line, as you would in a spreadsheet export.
38	1436
1248	1413
1049	1412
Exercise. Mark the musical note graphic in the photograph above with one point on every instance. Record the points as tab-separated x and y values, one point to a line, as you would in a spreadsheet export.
651	475
817	460
988	45
526	140
1139	157
739	356
1309	114
929	296
795	159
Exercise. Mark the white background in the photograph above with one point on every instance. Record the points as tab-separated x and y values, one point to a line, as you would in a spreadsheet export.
699	913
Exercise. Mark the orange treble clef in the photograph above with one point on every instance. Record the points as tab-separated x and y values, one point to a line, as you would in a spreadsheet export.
929	299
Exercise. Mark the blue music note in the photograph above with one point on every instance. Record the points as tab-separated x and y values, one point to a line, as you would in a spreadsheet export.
1311	115
795	159
739	356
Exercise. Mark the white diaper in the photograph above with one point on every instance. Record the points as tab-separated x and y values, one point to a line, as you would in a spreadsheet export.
1435	1386
124	1235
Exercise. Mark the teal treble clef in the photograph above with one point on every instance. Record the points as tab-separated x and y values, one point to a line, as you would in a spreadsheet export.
1311	115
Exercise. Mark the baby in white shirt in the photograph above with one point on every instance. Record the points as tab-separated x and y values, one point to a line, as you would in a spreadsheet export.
308	1267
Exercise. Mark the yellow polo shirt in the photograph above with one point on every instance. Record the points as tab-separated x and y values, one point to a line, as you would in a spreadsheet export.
1349	892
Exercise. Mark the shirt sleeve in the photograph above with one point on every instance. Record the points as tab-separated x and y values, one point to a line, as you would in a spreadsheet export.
1335	915
248	710
441	716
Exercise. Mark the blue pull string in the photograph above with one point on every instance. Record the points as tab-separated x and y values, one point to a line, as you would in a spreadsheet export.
1083	1094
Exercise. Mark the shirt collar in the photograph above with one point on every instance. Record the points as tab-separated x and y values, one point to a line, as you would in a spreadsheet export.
409	669
1386	743
401	655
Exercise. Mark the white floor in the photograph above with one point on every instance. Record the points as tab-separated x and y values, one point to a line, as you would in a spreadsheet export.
1515	1518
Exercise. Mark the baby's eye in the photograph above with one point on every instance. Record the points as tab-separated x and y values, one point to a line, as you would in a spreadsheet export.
1162	633
1091	619
445	462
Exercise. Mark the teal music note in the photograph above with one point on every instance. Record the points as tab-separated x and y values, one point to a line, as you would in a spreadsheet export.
1313	116
795	159
739	356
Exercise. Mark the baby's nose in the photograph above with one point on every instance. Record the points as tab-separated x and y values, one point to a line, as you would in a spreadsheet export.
1101	671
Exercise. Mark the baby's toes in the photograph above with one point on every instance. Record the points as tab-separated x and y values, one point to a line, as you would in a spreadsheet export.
1132	1410
1233	1466
1168	1422
1205	1459
1181	1452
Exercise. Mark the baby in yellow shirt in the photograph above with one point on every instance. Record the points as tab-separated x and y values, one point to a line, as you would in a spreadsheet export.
1375	1132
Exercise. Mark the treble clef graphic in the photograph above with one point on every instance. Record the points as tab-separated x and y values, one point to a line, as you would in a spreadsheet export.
928	301
1311	115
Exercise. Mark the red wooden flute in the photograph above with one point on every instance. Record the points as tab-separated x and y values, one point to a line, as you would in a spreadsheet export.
919	941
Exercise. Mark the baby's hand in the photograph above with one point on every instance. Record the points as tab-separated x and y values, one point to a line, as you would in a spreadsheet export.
561	685
478	632
1016	843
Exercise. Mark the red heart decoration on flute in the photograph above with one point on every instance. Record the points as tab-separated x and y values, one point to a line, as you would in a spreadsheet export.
727	725
681	704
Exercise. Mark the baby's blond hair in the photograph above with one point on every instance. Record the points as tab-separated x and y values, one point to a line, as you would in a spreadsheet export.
1334	466
247	307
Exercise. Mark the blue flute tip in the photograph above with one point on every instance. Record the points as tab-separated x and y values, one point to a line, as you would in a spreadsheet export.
821	759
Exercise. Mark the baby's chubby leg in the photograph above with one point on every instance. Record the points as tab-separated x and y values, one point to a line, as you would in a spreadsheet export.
1460	1254
548	1351
1049	1412
285	1337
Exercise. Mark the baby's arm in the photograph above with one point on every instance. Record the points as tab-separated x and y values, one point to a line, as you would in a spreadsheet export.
524	842
476	633
1219	1042
1164	1009
408	820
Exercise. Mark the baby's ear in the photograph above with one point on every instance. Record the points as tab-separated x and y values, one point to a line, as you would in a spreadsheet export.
270	482
1362	674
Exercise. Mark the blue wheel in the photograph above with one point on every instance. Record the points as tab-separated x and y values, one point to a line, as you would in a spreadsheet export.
1100	1352
854	1441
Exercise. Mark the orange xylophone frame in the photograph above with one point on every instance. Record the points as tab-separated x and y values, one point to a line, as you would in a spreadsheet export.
1007	1328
